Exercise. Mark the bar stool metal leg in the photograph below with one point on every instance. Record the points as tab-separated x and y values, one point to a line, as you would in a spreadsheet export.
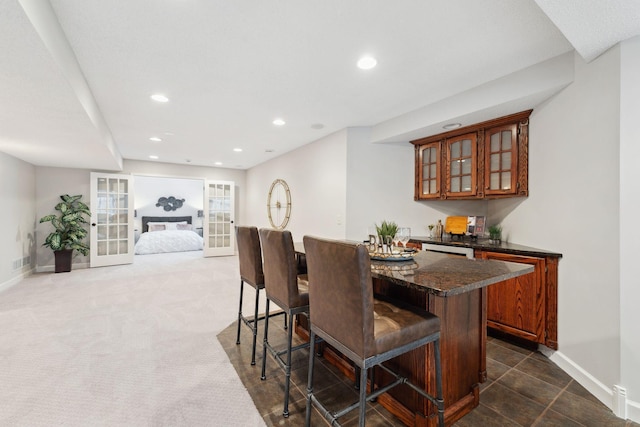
287	369
264	343
240	312
312	341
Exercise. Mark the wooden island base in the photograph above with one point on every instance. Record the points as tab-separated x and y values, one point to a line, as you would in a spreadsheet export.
463	350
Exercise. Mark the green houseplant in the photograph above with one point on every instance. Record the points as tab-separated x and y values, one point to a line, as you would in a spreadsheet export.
387	228
495	233
69	231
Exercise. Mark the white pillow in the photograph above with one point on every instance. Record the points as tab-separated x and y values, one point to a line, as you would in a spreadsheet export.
167	225
157	227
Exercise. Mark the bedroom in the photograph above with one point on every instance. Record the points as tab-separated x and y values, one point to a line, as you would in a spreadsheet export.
168	214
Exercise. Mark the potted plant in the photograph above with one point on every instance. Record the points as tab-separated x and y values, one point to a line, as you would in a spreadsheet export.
69	231
495	233
386	231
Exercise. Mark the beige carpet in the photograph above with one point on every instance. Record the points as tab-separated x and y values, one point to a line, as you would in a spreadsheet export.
131	345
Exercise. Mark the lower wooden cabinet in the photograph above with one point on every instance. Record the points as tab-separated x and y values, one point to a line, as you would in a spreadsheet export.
525	307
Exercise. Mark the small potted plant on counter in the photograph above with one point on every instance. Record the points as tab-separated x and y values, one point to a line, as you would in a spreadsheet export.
386	232
495	233
69	231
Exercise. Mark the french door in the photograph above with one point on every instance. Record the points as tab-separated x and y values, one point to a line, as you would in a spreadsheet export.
112	229
217	228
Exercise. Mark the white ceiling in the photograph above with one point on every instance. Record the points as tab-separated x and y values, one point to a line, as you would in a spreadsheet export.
76	75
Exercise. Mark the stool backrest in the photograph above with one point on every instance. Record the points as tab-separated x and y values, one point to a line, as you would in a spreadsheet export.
280	267
341	293
249	255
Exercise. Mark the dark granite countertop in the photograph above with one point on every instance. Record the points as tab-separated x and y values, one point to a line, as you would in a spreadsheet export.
483	244
445	275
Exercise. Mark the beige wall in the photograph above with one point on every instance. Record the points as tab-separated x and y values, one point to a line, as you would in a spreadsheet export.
18	225
316	174
573	208
629	231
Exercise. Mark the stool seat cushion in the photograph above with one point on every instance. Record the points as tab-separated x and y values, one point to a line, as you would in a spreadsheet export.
303	291
394	326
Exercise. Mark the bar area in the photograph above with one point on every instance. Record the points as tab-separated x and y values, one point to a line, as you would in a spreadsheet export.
454	289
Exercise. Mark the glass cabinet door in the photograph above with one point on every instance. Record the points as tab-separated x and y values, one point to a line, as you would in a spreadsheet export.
501	160
429	171
461	165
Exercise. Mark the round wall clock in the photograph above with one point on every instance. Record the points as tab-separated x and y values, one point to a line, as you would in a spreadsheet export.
279	204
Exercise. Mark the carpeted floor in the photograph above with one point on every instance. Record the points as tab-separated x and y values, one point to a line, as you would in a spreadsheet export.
131	345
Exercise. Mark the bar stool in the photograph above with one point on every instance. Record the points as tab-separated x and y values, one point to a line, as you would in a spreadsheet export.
289	291
250	259
368	331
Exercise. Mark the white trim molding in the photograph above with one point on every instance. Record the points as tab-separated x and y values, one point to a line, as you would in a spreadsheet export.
615	399
15	280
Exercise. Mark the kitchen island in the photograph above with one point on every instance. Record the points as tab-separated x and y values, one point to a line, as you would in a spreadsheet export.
524	308
453	288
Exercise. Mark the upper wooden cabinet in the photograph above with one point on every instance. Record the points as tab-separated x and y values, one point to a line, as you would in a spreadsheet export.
485	160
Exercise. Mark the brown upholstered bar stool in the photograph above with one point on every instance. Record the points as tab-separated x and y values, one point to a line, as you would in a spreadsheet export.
288	290
368	331
250	259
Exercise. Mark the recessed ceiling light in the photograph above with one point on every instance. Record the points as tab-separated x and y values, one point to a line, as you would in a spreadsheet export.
155	139
188	160
158	97
452	126
218	163
279	122
269	150
317	126
237	150
367	62
153	157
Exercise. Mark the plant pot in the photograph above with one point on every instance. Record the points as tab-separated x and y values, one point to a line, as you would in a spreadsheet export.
63	260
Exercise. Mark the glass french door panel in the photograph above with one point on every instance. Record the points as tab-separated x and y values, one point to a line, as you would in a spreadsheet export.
113	231
220	201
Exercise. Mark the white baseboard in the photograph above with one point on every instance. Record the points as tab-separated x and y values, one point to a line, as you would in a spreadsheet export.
618	403
633	411
15	280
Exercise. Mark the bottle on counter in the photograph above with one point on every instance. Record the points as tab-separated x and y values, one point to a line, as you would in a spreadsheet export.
438	230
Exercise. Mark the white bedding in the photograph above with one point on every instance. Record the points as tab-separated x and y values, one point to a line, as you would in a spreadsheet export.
156	242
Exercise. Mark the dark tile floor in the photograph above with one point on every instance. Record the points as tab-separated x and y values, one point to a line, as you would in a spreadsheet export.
523	388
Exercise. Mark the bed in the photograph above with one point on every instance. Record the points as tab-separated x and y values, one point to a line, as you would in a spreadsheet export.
162	234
